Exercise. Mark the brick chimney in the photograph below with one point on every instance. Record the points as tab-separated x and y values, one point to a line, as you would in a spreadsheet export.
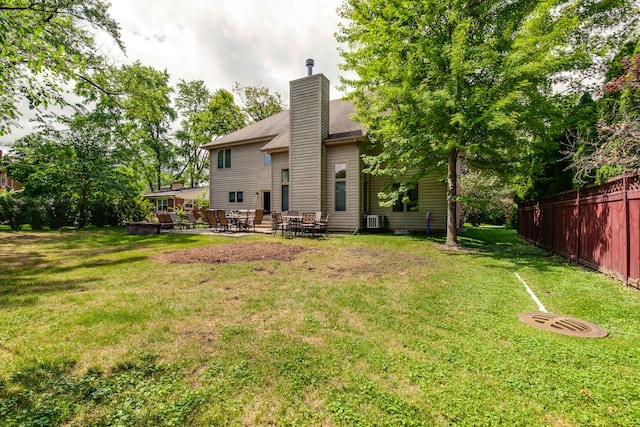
175	186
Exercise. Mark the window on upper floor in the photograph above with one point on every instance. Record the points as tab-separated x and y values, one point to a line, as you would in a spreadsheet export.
224	158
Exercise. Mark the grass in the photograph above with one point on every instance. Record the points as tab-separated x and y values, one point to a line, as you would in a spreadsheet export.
357	330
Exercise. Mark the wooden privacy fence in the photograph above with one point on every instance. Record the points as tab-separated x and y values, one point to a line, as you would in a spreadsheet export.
598	226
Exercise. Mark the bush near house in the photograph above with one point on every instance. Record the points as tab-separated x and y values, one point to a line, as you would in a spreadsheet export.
18	209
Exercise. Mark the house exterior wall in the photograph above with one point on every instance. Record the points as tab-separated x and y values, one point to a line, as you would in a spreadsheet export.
348	220
432	197
247	174
308	126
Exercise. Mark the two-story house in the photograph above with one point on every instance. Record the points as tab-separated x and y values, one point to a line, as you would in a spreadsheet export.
308	159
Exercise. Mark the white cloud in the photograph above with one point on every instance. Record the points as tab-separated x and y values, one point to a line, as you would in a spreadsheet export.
220	42
224	41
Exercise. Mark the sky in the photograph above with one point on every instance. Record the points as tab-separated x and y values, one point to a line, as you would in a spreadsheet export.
252	42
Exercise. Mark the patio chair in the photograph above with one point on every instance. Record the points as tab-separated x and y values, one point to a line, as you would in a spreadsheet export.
255	219
308	224
277	223
191	219
165	220
212	219
175	220
322	225
222	220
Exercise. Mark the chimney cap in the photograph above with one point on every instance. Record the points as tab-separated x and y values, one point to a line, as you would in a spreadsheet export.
309	64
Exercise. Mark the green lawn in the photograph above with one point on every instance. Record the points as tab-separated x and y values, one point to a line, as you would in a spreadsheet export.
356	330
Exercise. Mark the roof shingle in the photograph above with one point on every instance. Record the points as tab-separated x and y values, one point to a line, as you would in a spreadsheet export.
275	129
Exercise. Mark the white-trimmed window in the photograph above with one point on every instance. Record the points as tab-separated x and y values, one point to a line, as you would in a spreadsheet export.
284	179
162	205
224	158
340	187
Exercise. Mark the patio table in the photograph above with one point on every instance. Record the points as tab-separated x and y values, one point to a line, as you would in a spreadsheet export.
294	222
239	220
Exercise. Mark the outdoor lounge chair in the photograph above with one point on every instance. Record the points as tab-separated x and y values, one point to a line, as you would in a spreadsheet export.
175	220
165	220
212	219
222	220
191	219
255	219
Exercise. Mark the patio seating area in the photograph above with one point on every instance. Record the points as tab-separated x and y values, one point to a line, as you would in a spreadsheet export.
294	224
289	224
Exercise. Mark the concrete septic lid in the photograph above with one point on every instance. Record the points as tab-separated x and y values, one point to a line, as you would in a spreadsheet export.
563	324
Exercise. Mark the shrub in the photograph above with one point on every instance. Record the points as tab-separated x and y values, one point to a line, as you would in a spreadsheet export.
134	209
36	212
103	212
59	212
14	209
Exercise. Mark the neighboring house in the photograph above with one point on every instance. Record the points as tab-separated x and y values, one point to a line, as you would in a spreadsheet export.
308	159
6	182
174	197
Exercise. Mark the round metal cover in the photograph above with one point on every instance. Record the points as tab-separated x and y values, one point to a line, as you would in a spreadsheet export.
562	324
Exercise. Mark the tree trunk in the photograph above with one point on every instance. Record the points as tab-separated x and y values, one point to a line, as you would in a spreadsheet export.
452	185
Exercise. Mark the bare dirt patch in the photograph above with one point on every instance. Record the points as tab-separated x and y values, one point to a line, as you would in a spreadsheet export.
232	253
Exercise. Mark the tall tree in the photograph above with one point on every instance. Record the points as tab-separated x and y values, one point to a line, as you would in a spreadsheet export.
205	117
436	78
191	102
616	147
45	43
222	116
138	97
147	105
73	159
258	103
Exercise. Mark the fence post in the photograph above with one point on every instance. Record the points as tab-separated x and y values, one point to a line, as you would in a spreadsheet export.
578	225
627	238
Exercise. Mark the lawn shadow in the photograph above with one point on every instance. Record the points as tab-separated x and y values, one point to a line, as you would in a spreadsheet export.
23	292
74	245
31	261
500	244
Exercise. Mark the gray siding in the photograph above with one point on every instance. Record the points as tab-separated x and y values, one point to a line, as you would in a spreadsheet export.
432	195
348	220
247	173
309	126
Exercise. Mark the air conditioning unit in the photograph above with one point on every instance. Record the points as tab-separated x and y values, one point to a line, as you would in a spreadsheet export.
375	221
